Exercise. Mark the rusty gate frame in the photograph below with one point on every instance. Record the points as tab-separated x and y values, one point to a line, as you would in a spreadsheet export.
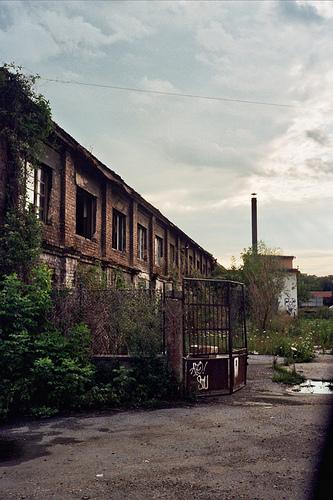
224	363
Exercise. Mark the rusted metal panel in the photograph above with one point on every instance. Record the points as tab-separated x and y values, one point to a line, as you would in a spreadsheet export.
205	376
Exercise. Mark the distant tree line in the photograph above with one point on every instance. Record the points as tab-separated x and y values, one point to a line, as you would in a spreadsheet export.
311	283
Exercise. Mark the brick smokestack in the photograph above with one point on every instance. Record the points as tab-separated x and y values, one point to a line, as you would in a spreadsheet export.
254	223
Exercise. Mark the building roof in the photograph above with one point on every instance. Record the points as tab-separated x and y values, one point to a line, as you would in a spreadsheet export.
114	177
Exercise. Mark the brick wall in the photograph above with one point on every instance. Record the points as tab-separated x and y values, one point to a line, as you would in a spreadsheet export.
71	168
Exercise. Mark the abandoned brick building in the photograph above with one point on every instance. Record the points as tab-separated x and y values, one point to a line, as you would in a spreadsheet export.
90	215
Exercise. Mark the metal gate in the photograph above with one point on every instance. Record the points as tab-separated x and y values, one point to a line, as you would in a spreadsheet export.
214	329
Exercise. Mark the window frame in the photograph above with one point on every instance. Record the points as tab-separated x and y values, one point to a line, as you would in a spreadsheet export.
159	250
87	228
142	238
118	231
38	182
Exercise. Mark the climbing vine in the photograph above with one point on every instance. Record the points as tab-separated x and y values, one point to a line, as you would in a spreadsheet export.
25	122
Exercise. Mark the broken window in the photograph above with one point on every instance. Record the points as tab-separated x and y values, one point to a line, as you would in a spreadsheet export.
158	250
118	231
198	265
38	188
85	213
142	242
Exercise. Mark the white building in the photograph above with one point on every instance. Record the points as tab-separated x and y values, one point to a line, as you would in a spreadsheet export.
288	297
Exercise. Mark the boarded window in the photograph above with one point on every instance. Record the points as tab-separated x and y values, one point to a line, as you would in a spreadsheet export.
85	213
38	188
159	254
142	242
118	231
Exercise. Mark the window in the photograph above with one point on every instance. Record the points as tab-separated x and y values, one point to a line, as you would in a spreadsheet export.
142	242
198	265
158	250
172	254
38	188
204	269
118	231
182	260
191	262
85	213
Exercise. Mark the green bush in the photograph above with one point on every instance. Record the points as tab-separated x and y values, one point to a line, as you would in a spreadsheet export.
44	370
41	370
144	383
299	350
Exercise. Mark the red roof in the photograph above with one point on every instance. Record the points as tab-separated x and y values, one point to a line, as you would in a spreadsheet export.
324	295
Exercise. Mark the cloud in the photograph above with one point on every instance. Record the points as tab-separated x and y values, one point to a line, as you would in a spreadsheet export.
319	136
303	12
38	44
322	7
74	34
51	29
196	160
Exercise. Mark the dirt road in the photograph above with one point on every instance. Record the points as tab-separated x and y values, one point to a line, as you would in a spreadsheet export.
260	443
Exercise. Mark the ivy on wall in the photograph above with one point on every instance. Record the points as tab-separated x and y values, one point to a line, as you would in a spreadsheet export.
25	122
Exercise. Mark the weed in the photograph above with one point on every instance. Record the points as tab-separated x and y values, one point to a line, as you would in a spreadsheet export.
283	375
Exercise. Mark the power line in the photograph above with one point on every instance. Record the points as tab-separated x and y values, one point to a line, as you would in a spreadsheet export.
164	92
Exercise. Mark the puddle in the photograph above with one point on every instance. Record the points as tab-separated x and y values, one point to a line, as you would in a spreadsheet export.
10	449
15	450
314	387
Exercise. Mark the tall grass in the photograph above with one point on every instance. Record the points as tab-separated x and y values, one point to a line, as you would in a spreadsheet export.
295	340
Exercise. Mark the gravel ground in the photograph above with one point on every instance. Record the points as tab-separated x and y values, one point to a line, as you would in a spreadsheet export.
260	443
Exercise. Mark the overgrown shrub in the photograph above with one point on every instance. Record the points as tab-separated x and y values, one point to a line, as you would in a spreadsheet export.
297	341
44	370
122	321
145	382
41	370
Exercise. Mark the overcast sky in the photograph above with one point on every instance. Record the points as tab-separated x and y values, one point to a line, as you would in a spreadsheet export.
197	160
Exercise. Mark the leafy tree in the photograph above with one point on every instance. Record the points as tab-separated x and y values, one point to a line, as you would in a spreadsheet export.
303	290
264	279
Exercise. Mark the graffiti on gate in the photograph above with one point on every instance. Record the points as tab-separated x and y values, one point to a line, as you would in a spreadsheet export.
198	372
